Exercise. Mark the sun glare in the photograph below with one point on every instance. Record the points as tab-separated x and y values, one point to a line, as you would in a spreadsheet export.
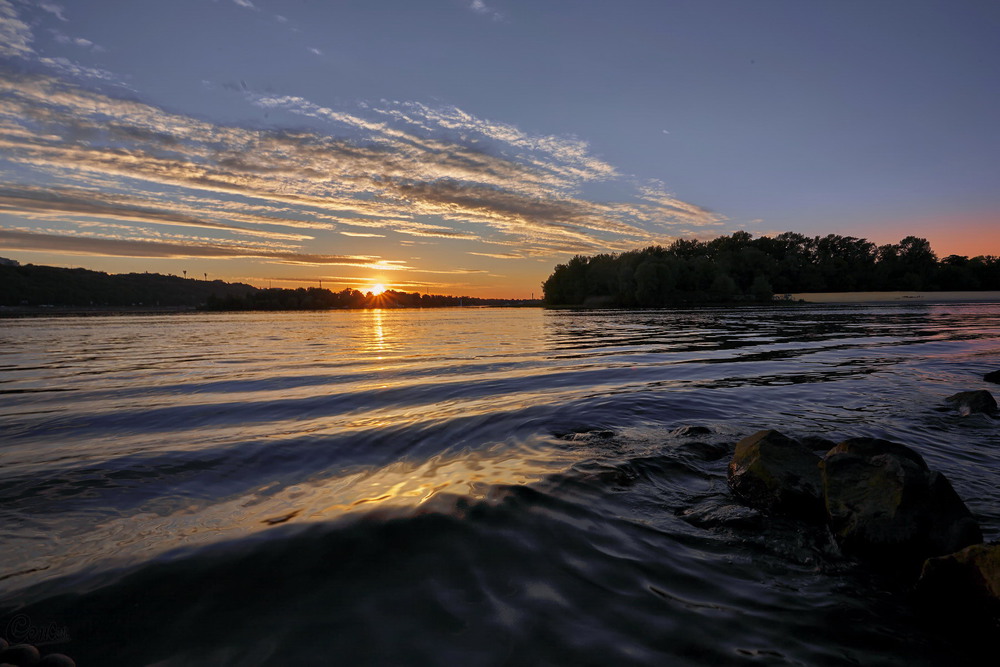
377	289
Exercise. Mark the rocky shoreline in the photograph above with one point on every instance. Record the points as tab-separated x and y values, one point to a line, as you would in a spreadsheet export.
881	504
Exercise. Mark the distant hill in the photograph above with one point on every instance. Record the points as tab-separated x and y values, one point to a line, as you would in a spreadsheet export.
34	285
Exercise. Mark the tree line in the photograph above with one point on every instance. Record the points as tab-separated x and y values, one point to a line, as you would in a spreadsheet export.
33	285
38	285
315	298
741	268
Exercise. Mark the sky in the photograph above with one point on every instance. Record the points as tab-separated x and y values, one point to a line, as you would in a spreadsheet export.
469	146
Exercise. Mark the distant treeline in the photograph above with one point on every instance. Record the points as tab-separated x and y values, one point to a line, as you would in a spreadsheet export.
742	268
35	285
32	286
315	298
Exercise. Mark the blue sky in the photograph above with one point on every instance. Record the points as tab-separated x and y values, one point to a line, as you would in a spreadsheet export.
467	146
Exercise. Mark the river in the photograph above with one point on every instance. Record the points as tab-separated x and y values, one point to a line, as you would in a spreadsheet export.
462	486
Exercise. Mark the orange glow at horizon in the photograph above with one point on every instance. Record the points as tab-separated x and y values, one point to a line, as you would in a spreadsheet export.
968	234
377	289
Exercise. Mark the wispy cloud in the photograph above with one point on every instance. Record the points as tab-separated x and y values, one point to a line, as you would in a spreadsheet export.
480	7
13	239
16	38
15	34
73	69
498	255
52	8
81	42
245	3
70	205
403	168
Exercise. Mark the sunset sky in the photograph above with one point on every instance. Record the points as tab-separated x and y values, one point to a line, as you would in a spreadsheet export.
468	146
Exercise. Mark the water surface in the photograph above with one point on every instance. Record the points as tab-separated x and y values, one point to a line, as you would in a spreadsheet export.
464	486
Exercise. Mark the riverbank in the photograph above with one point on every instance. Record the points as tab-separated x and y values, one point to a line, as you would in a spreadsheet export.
897	297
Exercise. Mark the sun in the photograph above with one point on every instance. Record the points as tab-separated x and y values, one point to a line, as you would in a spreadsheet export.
377	289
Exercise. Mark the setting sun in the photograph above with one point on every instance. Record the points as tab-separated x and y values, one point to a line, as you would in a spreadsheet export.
377	289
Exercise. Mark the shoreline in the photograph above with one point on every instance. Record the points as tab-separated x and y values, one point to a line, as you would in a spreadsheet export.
985	296
810	298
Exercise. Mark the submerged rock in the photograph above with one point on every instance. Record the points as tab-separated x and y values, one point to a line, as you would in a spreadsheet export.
690	431
963	584
718	513
773	473
992	377
884	504
968	402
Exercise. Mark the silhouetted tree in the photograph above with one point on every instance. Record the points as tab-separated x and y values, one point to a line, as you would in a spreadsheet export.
740	268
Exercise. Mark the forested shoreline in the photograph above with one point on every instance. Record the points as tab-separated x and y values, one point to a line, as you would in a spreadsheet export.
315	298
742	268
35	286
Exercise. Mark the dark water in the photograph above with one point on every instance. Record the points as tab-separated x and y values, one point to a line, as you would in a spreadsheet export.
462	487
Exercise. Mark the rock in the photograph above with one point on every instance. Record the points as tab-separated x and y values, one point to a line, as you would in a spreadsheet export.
817	443
992	377
690	431
868	447
968	402
57	660
719	514
963	585
22	655
776	474
884	504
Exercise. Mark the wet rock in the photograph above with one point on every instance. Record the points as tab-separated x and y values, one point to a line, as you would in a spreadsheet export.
690	431
57	660
963	585
22	655
582	435
884	504
969	402
992	377
773	473
719	513
868	447
817	444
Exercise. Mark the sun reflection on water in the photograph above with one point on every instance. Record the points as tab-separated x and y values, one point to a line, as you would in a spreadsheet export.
376	332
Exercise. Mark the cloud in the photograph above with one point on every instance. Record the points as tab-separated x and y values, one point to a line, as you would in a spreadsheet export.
49	204
245	3
12	239
315	51
52	8
498	255
479	7
15	35
70	68
408	170
63	38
